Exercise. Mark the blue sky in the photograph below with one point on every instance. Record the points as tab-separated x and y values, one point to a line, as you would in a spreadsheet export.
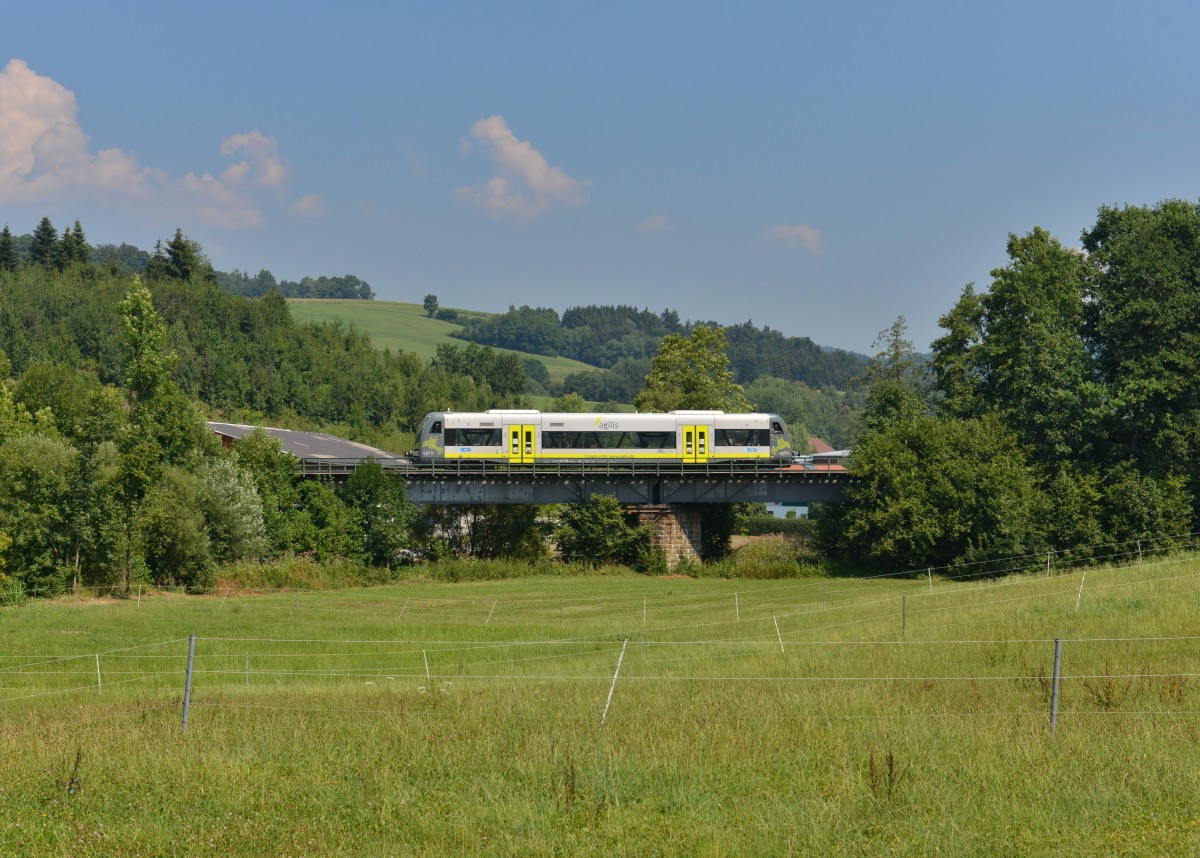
821	168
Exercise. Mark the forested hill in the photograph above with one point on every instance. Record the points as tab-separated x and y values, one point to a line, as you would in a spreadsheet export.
606	335
134	260
237	355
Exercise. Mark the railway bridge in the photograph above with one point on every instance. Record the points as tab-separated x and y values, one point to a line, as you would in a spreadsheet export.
665	496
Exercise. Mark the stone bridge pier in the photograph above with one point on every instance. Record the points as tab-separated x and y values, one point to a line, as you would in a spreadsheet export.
674	529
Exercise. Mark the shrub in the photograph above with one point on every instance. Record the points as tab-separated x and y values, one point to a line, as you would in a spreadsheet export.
652	561
12	593
773	556
300	573
597	532
758	525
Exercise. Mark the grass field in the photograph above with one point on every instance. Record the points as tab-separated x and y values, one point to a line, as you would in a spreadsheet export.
817	717
396	325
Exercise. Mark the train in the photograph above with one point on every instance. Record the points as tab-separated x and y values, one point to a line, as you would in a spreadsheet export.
522	436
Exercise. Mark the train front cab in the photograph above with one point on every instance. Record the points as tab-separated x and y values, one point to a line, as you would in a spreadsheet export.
431	443
781	440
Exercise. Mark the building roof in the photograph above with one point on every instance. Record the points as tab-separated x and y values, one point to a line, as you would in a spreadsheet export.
819	446
305	445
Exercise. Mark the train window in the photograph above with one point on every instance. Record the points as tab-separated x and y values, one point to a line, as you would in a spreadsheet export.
436	427
588	440
776	426
558	440
656	440
473	437
743	437
610	440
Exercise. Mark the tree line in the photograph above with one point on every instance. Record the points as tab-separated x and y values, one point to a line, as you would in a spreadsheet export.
623	339
1059	410
244	358
108	474
44	246
120	483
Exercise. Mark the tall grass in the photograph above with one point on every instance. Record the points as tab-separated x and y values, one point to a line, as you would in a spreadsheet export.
842	717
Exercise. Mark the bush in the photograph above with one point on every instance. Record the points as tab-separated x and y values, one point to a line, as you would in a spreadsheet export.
299	573
497	569
768	557
758	525
474	569
652	561
12	593
597	532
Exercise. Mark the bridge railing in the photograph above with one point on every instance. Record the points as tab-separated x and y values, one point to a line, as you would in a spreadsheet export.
476	468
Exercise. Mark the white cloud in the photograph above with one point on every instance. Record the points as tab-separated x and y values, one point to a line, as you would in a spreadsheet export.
263	161
45	157
43	151
524	185
654	223
215	203
802	234
309	205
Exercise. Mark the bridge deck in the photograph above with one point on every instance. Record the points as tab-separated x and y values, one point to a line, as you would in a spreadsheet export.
326	466
462	481
475	481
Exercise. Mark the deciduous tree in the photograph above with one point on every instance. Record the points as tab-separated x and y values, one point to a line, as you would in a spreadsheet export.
384	511
37	472
692	373
1018	349
596	532
895	378
233	511
936	492
1144	328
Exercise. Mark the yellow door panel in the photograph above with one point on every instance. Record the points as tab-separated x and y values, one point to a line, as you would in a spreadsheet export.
695	444
521	443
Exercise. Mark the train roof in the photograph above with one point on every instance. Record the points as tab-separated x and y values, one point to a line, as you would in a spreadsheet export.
678	412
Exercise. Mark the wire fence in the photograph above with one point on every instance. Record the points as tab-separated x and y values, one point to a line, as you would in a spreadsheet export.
1156	675
782	636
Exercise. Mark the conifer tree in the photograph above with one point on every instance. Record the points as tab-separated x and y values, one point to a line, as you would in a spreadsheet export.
44	248
73	247
8	251
185	258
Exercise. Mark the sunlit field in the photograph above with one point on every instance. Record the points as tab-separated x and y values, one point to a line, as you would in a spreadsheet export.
406	327
613	714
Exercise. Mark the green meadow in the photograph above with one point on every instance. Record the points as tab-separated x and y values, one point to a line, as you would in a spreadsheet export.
400	326
612	714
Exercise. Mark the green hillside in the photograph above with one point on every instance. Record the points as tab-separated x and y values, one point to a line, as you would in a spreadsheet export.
396	325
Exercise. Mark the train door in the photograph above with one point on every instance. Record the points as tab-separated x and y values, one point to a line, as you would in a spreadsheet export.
520	443
695	444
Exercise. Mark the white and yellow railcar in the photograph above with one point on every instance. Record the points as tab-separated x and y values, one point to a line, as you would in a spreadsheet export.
524	437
